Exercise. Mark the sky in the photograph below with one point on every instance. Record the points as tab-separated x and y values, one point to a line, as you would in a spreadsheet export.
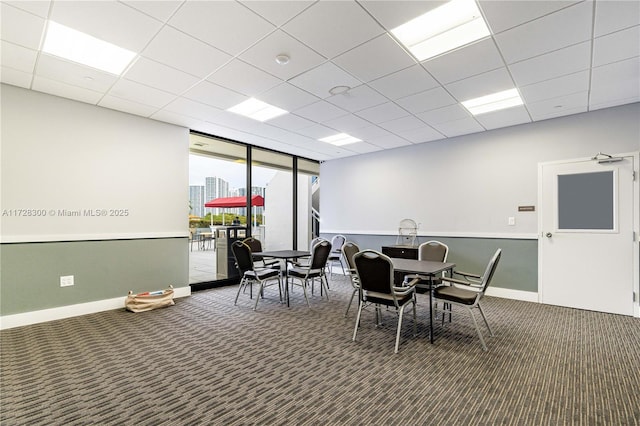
201	167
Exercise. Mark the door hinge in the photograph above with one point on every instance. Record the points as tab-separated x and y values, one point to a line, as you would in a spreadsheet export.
634	296
633	176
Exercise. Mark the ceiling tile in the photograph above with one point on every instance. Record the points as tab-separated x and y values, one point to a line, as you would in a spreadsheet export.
317	131
375	58
109	21
421	134
291	122
74	74
362	147
481	85
393	13
218	22
551	65
18	57
139	93
288	97
177	119
372	133
192	109
562	105
321	79
66	90
263	55
244	78
155	74
357	99
403	83
504	118
15	77
502	15
384	112
459	127
162	10
178	50
615	84
320	112
36	7
214	95
20	27
331	28
614	15
617	46
427	100
442	115
565	85
560	29
277	12
125	105
389	141
465	62
404	124
347	123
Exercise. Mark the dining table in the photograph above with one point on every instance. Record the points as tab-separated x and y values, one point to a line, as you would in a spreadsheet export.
285	255
426	268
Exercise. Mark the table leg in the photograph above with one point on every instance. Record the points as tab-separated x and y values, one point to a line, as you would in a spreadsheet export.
431	308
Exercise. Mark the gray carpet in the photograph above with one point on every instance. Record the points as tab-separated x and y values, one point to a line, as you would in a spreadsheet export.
205	361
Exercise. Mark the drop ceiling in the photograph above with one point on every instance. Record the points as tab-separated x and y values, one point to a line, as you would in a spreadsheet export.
196	59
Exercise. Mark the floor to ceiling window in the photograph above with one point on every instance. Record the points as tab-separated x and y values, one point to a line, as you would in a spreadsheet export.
219	176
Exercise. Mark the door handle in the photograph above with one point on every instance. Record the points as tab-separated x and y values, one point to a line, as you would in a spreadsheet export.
548	234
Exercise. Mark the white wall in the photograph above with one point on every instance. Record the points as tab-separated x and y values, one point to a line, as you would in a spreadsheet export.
61	155
469	185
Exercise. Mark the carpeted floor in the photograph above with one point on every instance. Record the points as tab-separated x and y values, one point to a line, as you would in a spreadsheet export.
205	361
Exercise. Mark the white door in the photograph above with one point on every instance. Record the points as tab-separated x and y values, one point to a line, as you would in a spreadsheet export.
587	253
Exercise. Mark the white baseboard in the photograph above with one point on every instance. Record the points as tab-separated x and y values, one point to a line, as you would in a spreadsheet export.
35	317
506	293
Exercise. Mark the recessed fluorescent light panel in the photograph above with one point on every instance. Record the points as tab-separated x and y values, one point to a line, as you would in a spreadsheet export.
497	101
340	139
257	110
442	29
84	49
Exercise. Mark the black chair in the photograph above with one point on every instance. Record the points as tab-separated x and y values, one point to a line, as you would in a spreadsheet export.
349	249
262	262
250	274
468	292
375	273
314	269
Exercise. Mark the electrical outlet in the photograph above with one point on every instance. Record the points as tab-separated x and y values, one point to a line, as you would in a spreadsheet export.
66	280
512	221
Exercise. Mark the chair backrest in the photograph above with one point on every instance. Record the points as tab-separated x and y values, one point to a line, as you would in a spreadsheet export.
337	242
434	251
490	270
375	271
315	241
242	253
254	245
319	255
349	249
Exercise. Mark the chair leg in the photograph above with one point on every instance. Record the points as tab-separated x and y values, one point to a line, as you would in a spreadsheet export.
415	320
485	320
355	329
400	315
260	292
323	281
242	284
304	289
475	323
355	290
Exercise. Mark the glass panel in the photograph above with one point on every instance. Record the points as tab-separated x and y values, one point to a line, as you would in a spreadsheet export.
272	177
585	201
308	202
217	169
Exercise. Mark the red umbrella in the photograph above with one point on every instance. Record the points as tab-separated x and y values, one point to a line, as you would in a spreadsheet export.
229	202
